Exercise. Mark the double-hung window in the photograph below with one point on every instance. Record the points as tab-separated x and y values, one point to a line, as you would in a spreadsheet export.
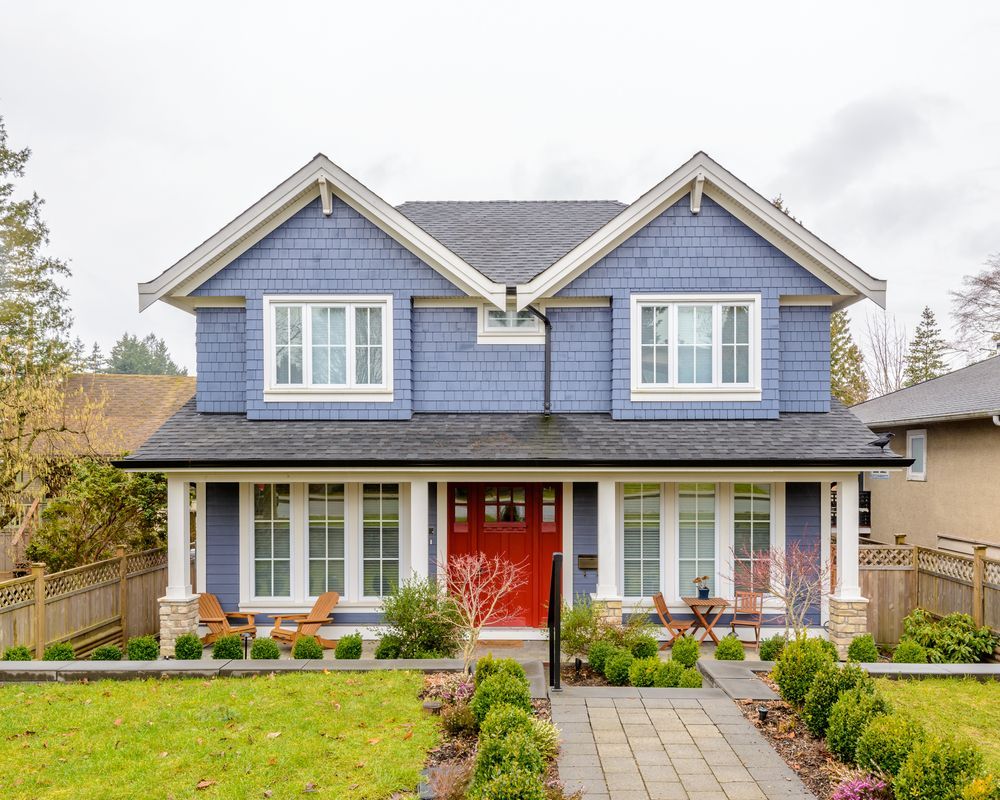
695	347
338	347
379	538
272	572
326	538
752	535
695	537
641	539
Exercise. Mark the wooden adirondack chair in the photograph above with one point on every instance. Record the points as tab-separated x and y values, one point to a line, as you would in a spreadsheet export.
307	624
211	614
674	628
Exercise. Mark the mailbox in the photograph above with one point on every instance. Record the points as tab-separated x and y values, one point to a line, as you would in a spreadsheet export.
586	563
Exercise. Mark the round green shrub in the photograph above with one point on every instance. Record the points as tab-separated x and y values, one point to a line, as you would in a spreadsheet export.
546	736
937	769
497	689
730	648
504	719
598	654
797	666
668	675
645	646
143	648
830	682
188	647
307	647
458	719
517	784
862	649
264	648
849	717
643	671
423	617
389	646
107	652
887	742
227	648
617	666
59	651
348	647
17	653
830	648
770	648
489	666
685	650
909	652
690	678
498	755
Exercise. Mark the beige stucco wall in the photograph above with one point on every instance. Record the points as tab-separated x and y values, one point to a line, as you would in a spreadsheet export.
961	495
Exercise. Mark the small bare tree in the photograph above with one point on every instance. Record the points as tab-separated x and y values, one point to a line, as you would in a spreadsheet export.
796	575
976	310
484	590
886	354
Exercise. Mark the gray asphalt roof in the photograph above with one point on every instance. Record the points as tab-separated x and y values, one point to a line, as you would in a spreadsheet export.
203	440
511	241
968	392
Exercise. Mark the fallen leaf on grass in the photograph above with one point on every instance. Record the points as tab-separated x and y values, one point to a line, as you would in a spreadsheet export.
408	735
204	783
374	741
268	793
360	765
274	734
310	788
164	754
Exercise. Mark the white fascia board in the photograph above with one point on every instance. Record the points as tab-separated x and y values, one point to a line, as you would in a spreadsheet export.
850	281
284	201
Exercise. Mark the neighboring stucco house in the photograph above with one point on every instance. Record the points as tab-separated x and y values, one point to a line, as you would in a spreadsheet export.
950	427
642	387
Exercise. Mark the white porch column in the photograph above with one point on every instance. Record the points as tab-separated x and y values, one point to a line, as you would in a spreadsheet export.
607	545
419	528
178	539
848	609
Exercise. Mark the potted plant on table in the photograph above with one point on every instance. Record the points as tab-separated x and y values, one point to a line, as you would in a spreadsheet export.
702	584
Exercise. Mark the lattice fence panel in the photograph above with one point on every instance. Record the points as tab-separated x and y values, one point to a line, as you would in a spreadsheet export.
946	564
139	562
15	593
885	557
991	572
62	583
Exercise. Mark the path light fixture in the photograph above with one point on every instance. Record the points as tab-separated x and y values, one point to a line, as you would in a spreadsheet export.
762	713
578	665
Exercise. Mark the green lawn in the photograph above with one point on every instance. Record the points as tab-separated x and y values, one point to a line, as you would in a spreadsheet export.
957	706
359	736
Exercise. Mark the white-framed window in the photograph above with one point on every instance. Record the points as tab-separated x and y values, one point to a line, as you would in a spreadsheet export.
497	326
641	503
327	540
328	347
916	448
272	540
751	531
379	538
695	347
696	529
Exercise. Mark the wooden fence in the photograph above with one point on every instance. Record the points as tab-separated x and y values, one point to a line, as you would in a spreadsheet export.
898	578
102	603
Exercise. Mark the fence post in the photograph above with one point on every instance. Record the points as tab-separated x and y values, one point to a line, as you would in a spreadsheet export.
978	576
123	590
915	586
38	573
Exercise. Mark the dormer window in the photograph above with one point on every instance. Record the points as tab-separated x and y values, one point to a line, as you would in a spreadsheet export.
336	348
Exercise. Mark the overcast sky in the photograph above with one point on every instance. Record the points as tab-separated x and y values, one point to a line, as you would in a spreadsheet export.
877	122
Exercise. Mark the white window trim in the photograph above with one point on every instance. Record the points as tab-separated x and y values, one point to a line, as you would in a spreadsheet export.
911	475
487	335
273	392
674	391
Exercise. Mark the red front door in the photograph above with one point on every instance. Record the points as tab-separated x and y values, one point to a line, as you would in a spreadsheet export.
521	522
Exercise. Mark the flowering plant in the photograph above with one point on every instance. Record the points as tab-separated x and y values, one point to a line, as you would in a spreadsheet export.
867	788
448	687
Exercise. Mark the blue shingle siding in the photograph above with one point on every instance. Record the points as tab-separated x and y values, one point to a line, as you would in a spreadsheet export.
802	521
222	543
584	535
679	252
804	366
432	521
220	338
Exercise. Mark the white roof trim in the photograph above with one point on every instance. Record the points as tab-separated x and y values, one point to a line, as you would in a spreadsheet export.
850	281
319	176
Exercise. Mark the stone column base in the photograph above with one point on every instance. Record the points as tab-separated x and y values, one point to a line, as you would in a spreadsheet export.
611	611
177	617
848	618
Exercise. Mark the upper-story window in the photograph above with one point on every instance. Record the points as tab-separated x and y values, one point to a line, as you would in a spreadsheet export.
916	448
687	347
328	347
497	326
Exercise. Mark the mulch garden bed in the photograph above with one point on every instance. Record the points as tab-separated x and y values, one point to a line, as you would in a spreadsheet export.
586	676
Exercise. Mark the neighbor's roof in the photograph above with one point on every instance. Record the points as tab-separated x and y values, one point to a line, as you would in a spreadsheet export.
193	440
966	393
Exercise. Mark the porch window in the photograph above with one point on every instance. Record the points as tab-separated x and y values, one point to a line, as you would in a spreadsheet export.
272	540
695	536
326	538
641	539
751	531
380	538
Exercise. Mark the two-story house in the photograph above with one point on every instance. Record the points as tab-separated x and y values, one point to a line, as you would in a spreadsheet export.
642	387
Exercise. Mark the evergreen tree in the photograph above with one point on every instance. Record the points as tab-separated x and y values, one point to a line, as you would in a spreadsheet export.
925	358
148	356
95	361
848	382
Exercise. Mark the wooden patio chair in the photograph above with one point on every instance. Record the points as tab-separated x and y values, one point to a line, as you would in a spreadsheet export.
674	628
307	624
210	613
748	612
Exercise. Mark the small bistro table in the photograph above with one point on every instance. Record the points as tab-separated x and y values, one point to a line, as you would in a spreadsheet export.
703	610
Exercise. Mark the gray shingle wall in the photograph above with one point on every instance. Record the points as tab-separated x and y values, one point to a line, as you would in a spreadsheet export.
220	338
222	543
804	366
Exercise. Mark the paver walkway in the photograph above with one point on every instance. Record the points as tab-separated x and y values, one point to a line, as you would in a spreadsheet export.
666	744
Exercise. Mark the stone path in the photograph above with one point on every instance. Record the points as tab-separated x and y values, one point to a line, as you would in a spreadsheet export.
666	744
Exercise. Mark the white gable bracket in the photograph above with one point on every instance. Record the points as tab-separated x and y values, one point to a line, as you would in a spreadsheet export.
696	190
326	195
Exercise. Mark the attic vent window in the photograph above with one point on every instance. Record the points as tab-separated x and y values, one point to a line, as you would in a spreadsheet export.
508	326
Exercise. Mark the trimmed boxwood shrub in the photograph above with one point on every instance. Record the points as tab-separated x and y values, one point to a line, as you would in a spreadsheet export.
489	666
188	647
497	689
143	648
546	736
645	646
830	648
770	648
17	653
668	675
798	665
986	787
598	654
264	648
643	671
830	682
617	666
106	652
909	652
518	784
348	647
862	649
422	616
937	768
59	651
730	648
690	678
389	646
850	716
502	754
887	742
307	647
504	719
685	650
227	648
